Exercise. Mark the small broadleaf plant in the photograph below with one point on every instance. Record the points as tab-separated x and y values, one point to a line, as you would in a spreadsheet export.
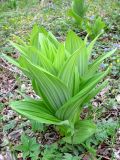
95	27
92	27
78	11
64	78
29	147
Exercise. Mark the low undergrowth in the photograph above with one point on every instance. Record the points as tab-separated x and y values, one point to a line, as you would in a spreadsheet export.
44	141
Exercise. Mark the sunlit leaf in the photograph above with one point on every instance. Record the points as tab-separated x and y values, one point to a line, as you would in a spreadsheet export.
83	130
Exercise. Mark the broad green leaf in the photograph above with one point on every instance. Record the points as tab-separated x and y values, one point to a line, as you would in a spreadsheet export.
94	92
77	18
32	54
47	65
39	59
36	87
37	126
53	39
94	66
67	71
35	56
44	62
83	60
60	57
91	45
53	91
22	49
94	79
73	106
76	81
83	130
97	27
47	48
79	7
34	36
73	42
36	110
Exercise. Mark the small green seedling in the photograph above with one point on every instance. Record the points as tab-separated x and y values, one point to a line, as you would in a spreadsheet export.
29	147
78	11
95	27
37	126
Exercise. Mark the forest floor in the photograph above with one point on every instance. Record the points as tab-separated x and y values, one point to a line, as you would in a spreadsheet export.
105	144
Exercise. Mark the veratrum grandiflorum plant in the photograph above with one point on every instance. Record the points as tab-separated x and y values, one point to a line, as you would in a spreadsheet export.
64	79
78	11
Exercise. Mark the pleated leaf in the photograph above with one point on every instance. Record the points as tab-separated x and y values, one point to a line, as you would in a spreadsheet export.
91	45
34	36
77	18
76	81
79	7
36	87
83	130
60	57
94	92
67	72
83	60
47	48
73	42
94	67
53	91
36	110
53	39
35	56
73	106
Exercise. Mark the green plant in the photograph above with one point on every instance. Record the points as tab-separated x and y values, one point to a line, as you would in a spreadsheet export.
78	11
29	147
105	133
94	27
64	78
10	125
36	126
12	4
68	156
15	4
51	152
106	129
